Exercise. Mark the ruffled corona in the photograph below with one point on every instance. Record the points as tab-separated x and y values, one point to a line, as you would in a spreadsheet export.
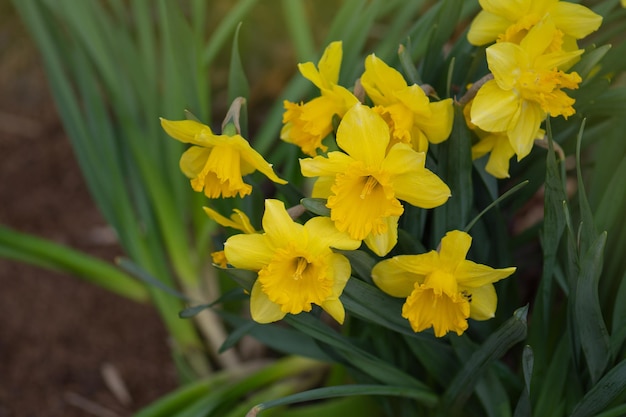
217	163
442	289
364	185
295	264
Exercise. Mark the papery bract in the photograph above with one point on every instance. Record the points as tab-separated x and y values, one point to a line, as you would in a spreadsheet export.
442	289
295	263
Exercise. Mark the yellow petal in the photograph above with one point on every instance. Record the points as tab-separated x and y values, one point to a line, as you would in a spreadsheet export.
311	73
471	274
510	9
261	308
330	62
505	60
340	270
193	160
248	251
186	131
254	159
498	163
420	265
238	220
380	80
539	38
574	19
335	309
454	247
486	27
323	234
411	181
363	135
438	127
494	108
278	225
393	278
323	187
414	98
320	166
522	134
483	302
382	243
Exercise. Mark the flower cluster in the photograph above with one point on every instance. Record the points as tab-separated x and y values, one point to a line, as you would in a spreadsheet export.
535	46
366	150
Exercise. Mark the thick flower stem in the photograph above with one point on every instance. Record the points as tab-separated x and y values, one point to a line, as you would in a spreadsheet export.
473	90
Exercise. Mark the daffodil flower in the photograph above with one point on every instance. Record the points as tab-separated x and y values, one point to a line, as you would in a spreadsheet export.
217	163
442	289
527	86
412	118
306	125
510	21
364	184
295	263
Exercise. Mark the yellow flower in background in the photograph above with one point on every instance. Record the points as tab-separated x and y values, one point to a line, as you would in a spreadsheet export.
412	118
217	163
527	86
496	144
364	184
442	289
510	21
295	263
306	125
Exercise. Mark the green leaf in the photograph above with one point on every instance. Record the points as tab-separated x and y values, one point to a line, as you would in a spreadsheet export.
594	336
496	345
238	83
602	393
499	200
524	407
361	263
429	400
243	277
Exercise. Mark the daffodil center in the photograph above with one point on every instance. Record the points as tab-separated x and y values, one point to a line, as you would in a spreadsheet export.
369	186
518	30
294	280
301	265
544	87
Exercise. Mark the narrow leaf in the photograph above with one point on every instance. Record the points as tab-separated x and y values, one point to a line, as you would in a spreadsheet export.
603	393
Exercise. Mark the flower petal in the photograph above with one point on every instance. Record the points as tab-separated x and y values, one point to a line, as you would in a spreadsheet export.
501	154
187	131
279	227
254	159
393	278
323	235
493	108
454	247
424	309
261	308
574	19
505	60
381	244
522	134
248	251
330	62
473	275
330	165
193	160
364	135
511	10
486	27
380	80
237	221
483	302
437	128
412	182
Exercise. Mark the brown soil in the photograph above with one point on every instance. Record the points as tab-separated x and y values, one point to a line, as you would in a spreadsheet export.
58	333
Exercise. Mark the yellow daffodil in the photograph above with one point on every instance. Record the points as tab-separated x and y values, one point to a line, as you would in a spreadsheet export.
306	125
510	21
496	144
364	185
527	86
217	163
295	263
442	289
238	221
412	118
